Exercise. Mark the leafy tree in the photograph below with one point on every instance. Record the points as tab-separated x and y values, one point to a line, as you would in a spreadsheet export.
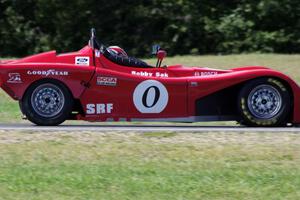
180	26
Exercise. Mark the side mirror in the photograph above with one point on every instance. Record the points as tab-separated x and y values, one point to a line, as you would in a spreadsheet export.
161	54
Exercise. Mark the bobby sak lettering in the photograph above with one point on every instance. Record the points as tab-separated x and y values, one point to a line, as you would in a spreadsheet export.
150	74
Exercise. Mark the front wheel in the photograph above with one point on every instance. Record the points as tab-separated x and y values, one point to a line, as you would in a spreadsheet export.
47	103
264	102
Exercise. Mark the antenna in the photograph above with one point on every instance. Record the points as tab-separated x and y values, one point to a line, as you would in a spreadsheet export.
92	39
93	32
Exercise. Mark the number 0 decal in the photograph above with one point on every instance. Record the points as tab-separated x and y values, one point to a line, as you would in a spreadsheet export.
150	96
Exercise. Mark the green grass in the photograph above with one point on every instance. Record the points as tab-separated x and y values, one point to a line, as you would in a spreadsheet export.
131	166
288	64
9	109
159	134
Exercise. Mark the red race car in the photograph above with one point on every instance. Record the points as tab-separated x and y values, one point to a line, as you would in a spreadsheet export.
99	83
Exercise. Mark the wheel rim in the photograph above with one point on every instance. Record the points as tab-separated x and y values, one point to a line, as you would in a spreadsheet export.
264	101
47	100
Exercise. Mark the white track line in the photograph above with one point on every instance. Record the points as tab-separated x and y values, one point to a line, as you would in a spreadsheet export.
143	128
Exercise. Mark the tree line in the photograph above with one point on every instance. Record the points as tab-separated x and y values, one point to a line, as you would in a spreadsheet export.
179	26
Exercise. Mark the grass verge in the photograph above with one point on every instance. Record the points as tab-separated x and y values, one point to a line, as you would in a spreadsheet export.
116	165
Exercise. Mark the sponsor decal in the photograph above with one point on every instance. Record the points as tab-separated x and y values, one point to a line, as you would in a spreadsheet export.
14	78
99	108
150	74
50	72
82	60
205	73
108	81
150	96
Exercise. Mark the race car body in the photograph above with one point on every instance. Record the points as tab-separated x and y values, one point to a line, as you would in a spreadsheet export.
100	84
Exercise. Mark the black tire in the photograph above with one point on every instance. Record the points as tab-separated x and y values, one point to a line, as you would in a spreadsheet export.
47	103
264	102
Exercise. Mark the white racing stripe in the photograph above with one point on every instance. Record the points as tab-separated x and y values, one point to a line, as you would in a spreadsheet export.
143	128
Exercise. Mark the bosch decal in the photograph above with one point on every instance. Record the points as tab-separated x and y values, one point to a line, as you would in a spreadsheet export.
82	60
14	78
150	96
100	108
107	81
205	73
50	72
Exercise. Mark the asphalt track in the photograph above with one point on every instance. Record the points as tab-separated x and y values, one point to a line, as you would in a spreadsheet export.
143	128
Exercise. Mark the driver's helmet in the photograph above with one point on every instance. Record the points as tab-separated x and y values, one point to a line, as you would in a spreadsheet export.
117	50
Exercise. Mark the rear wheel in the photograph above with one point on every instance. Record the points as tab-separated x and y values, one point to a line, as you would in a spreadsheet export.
264	102
47	103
